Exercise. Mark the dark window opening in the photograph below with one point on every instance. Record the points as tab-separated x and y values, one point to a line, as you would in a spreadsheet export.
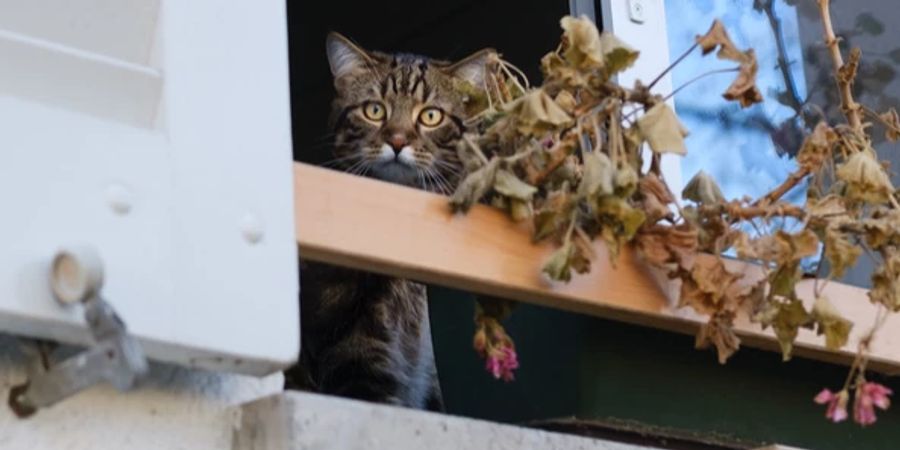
522	30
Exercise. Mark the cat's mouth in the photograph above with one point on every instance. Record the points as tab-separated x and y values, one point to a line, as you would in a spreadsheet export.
396	166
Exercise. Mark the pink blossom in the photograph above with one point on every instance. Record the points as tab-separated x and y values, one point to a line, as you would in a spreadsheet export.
868	396
837	404
502	362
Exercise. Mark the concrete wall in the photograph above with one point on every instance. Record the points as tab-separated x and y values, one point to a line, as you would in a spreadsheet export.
178	408
175	408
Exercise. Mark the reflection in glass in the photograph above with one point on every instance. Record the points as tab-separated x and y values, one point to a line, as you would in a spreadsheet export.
750	151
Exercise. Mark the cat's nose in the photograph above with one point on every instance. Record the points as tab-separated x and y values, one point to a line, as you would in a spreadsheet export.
397	141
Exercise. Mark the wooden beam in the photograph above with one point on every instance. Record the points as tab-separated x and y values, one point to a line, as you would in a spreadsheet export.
380	227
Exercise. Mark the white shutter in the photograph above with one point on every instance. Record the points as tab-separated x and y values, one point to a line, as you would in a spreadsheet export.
157	132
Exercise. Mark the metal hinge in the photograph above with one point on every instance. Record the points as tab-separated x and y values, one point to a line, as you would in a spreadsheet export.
76	277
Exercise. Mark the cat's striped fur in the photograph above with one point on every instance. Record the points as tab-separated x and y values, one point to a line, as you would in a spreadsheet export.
396	117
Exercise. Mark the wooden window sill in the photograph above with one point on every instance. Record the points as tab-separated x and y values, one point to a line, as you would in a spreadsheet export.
380	227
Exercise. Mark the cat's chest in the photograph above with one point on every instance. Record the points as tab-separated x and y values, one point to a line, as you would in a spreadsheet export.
329	291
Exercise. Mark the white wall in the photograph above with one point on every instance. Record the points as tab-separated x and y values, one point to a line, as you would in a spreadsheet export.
176	408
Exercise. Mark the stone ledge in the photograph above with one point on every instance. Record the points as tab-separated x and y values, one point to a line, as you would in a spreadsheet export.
297	420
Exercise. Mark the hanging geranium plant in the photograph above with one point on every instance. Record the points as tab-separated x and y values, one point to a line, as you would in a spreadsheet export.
568	157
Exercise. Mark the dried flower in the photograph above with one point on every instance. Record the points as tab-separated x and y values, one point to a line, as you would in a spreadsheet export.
501	363
868	396
837	404
491	341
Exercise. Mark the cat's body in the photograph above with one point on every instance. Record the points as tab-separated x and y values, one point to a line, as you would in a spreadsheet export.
368	337
397	118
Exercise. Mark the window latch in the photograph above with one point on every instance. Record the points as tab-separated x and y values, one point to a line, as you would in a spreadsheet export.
115	357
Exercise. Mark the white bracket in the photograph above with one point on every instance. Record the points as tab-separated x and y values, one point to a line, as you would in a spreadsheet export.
76	277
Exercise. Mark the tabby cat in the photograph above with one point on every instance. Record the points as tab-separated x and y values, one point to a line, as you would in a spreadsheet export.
398	118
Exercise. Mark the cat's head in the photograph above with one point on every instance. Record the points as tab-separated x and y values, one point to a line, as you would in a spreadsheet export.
398	117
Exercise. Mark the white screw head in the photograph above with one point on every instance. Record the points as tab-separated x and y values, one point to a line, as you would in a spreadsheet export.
119	198
252	228
637	11
76	274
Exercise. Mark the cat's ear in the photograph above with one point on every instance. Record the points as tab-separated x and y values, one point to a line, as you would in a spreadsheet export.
474	67
343	56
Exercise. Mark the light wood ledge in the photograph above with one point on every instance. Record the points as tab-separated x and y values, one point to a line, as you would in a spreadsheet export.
380	227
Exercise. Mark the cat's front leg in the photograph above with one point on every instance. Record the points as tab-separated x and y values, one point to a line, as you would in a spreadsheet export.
362	370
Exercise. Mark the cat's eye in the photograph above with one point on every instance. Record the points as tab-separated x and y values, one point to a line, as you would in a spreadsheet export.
431	117
374	111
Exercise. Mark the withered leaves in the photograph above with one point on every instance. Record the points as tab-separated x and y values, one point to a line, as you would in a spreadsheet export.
719	331
865	177
474	186
597	176
886	283
573	255
617	55
508	184
661	128
583	48
840	252
710	286
892	125
816	149
717	37
743	89
830	323
568	156
703	189
786	318
537	114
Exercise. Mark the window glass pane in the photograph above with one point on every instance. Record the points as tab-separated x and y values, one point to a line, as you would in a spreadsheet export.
746	150
750	151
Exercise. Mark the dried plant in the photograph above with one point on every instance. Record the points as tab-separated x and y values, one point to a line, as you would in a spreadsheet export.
568	157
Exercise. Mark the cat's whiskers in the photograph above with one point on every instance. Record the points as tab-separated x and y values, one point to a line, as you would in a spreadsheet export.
441	184
423	180
424	169
358	167
453	169
448	188
342	160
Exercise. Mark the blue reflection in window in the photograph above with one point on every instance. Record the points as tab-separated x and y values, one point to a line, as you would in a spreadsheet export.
747	151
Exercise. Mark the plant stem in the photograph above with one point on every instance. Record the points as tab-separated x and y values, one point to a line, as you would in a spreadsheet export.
751	212
521	155
848	105
572	222
477	149
788	184
698	77
877	117
672	66
506	65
